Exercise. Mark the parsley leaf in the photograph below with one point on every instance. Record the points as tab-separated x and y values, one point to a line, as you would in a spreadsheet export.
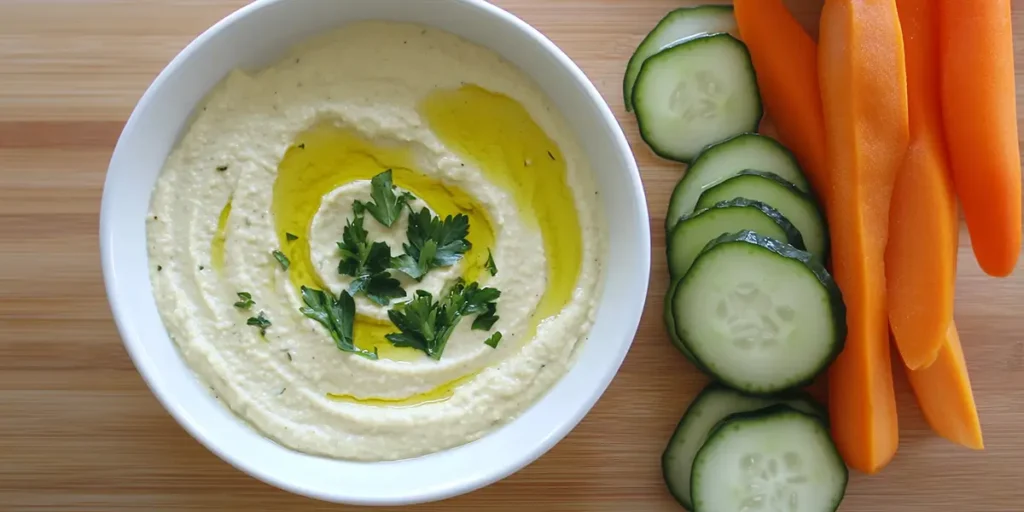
358	256
426	324
260	321
493	340
485	321
282	259
490	266
432	243
381	288
245	300
368	264
355	250
477	300
385	205
337	315
291	237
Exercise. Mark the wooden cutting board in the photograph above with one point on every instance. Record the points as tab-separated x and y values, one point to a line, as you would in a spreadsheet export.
80	431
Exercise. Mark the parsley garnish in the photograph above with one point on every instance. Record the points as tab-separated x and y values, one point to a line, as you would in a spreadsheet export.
368	264
337	315
493	340
380	288
426	325
485	321
432	243
290	237
491	267
245	300
282	259
355	249
385	205
260	321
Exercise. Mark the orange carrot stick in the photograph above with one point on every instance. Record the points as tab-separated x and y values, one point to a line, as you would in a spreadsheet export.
864	98
920	268
943	392
980	120
786	61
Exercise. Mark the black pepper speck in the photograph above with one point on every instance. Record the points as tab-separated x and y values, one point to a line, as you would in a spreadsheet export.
202	267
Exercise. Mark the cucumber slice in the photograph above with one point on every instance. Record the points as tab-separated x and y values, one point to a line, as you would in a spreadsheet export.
694	231
773	459
725	160
797	206
695	93
715	403
678	25
670	325
759	315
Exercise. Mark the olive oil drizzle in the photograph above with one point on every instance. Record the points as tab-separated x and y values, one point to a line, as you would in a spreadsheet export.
438	394
326	157
497	134
490	130
217	247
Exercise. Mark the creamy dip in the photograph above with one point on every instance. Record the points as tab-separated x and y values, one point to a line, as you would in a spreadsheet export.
274	161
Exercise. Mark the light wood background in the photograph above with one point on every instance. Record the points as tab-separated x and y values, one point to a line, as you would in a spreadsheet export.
80	431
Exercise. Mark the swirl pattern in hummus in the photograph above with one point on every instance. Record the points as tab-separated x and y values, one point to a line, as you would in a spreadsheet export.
287	150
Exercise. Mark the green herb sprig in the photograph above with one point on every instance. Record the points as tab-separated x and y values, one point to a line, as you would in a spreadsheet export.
493	340
489	265
281	259
244	300
426	324
433	243
261	321
368	263
337	315
385	205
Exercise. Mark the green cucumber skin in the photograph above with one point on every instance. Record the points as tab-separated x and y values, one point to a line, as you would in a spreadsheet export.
670	325
694	41
765	413
793	236
775	178
707	151
713	388
627	88
836	304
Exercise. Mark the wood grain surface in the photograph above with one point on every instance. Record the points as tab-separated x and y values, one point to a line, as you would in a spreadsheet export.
80	431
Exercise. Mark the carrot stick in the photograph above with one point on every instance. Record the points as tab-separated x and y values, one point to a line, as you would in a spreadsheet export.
786	61
864	98
920	268
943	392
980	119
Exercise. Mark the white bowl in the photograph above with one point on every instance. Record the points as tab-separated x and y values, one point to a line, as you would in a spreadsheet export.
257	35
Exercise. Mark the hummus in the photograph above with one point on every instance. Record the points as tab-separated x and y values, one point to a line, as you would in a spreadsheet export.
274	162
